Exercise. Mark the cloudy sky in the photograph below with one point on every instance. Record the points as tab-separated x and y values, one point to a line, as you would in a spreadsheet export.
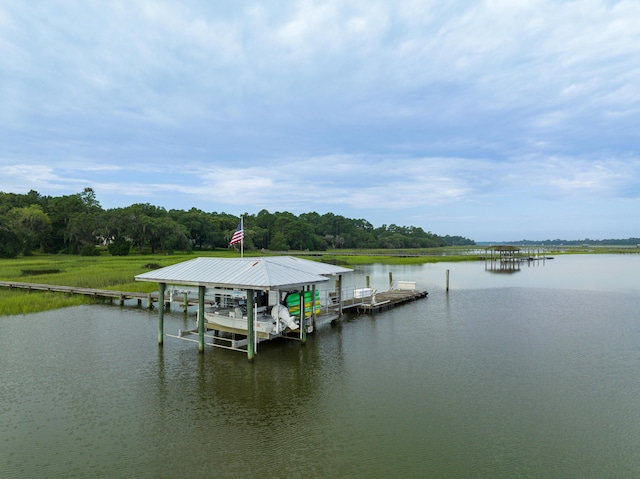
494	120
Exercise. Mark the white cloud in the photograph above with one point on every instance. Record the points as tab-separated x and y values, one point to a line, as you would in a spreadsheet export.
360	106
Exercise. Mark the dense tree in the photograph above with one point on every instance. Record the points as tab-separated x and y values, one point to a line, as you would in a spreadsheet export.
10	243
119	247
76	223
200	226
32	224
67	213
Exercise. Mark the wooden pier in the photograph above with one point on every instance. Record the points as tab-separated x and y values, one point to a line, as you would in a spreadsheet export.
382	301
95	293
368	304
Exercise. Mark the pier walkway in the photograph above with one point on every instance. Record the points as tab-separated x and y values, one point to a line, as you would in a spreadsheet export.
96	293
367	304
382	301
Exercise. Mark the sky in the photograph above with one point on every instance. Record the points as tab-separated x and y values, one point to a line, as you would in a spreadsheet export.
496	120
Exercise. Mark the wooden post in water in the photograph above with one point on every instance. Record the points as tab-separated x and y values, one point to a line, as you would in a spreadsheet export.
447	281
251	333
201	319
185	304
313	306
303	319
162	287
339	288
149	302
368	281
390	280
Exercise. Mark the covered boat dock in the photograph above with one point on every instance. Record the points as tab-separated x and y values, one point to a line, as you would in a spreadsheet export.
246	289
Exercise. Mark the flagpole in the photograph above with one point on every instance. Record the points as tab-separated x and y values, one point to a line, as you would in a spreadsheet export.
242	240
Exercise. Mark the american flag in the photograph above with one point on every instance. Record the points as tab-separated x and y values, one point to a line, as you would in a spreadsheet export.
238	236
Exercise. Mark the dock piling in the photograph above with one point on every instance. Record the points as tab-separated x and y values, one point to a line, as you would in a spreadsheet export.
201	290
162	287
251	333
303	319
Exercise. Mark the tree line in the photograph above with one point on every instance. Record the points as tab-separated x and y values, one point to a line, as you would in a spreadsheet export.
77	224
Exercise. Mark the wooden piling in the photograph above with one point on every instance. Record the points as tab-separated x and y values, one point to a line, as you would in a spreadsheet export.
201	290
162	287
447	287
303	320
251	334
313	306
339	288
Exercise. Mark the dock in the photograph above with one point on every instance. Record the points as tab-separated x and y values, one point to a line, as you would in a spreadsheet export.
244	289
366	304
382	301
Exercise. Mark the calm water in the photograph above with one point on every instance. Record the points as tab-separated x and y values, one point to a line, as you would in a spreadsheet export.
533	374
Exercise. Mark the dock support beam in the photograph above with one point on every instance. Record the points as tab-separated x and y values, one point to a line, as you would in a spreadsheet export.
339	288
313	306
162	288
201	319
251	333
303	319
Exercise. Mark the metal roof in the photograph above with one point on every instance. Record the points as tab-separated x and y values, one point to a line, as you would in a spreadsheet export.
274	272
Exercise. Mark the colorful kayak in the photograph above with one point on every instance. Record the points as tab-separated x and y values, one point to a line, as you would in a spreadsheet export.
293	303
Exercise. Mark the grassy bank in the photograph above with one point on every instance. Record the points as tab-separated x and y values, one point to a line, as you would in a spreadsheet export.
118	272
100	272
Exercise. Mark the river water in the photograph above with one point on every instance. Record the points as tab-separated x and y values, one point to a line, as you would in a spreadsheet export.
533	373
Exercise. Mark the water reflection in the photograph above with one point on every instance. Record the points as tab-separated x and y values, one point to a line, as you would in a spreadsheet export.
615	273
502	267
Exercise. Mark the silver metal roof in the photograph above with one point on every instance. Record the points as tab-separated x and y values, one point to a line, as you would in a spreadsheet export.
273	272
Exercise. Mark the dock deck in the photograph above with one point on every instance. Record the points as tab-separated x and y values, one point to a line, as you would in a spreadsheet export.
379	302
383	301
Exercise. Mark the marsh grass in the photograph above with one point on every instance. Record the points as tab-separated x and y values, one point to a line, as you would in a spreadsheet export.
98	272
16	302
118	272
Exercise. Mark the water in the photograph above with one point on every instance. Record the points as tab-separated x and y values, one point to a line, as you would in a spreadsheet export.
534	374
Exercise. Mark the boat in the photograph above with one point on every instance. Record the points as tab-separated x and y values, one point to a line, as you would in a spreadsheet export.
271	320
